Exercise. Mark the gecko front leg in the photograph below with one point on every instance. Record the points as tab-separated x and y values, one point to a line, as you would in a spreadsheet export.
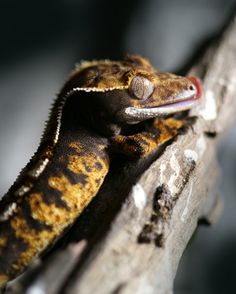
144	143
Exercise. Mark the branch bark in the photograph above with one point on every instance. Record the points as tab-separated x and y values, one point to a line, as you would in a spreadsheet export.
137	228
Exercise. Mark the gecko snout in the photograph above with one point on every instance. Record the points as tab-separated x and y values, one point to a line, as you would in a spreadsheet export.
196	85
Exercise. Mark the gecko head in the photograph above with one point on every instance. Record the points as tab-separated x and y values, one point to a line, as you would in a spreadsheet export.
130	91
159	95
156	94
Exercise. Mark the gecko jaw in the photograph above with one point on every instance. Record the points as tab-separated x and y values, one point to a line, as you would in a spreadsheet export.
163	110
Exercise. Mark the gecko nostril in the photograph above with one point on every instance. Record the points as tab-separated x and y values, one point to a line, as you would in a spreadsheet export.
191	88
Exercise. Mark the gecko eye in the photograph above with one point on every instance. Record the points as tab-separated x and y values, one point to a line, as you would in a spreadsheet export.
141	87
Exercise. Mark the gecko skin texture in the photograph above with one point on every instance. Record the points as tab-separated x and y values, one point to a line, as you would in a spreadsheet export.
98	111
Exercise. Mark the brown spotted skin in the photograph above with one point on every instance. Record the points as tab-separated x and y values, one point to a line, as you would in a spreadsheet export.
89	121
72	177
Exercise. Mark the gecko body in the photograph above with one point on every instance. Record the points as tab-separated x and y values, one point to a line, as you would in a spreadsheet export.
94	115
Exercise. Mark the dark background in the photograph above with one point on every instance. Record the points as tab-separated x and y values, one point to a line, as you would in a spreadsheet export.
41	41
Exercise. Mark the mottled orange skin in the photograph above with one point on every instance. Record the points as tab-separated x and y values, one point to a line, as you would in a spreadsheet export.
146	142
73	158
36	223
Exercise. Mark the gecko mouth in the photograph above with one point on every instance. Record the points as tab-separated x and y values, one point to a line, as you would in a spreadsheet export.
162	110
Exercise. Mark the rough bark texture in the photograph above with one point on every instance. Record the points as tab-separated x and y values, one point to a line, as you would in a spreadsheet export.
137	228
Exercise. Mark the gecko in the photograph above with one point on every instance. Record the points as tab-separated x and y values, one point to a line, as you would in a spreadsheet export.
102	109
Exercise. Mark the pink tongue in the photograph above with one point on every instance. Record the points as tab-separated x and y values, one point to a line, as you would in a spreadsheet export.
197	83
